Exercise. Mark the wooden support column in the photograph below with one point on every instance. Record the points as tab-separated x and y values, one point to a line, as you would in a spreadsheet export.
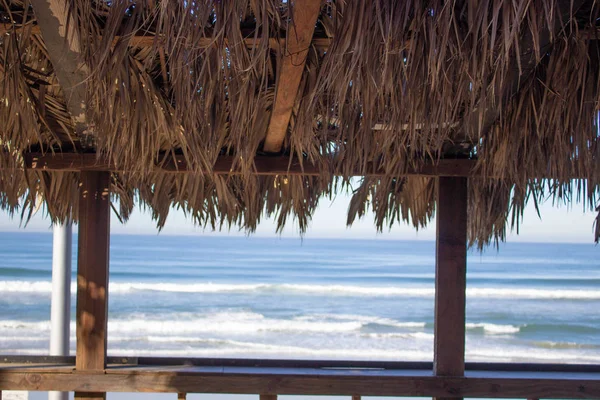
450	278
92	274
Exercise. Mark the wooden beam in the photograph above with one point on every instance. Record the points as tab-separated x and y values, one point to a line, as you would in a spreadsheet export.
92	274
299	37
307	381
265	165
149	40
450	278
64	50
36	363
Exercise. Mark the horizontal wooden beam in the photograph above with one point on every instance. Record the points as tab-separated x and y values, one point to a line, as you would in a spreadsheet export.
225	165
31	362
302	381
149	40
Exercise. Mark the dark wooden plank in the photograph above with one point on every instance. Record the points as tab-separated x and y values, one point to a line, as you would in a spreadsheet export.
149	41
33	361
267	397
181	396
265	165
450	277
299	36
315	382
92	273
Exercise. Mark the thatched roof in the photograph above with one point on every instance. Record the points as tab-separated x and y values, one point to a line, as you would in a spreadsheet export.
344	87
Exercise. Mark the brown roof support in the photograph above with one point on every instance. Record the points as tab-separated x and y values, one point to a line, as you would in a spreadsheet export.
299	37
64	50
150	40
92	275
265	165
450	278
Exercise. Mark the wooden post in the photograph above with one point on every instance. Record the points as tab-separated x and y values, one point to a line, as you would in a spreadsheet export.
267	397
92	274
180	396
450	278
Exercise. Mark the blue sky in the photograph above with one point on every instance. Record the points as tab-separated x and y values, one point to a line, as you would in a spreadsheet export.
560	224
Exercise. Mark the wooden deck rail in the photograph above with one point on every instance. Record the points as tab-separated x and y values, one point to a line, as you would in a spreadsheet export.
293	377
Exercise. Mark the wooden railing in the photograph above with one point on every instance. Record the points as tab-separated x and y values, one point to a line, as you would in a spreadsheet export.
270	378
91	373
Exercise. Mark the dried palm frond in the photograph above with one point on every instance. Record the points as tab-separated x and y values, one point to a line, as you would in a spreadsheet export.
515	85
394	200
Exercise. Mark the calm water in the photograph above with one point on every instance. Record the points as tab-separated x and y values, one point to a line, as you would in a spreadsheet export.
284	298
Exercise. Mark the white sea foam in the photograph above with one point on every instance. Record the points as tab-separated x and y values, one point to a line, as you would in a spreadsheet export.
45	287
494	329
224	322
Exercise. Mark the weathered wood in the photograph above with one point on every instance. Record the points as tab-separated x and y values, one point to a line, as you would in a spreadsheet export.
149	41
450	277
299	37
92	273
181	396
307	381
265	165
64	50
267	397
355	397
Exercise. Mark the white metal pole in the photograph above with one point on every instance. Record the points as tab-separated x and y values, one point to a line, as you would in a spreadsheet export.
61	295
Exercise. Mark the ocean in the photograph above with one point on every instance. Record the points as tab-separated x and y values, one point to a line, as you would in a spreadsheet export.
210	296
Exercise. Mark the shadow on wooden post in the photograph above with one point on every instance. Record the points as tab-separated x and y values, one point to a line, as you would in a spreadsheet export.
92	274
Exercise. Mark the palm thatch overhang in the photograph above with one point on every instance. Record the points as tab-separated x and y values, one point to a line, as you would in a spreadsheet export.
161	92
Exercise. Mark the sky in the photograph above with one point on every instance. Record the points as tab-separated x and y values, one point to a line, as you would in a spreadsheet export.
561	224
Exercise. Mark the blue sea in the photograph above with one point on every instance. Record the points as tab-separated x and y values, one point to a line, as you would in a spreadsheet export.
209	296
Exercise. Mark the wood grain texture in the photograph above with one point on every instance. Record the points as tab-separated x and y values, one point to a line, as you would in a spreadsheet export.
299	37
64	50
307	381
92	273
450	277
264	165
